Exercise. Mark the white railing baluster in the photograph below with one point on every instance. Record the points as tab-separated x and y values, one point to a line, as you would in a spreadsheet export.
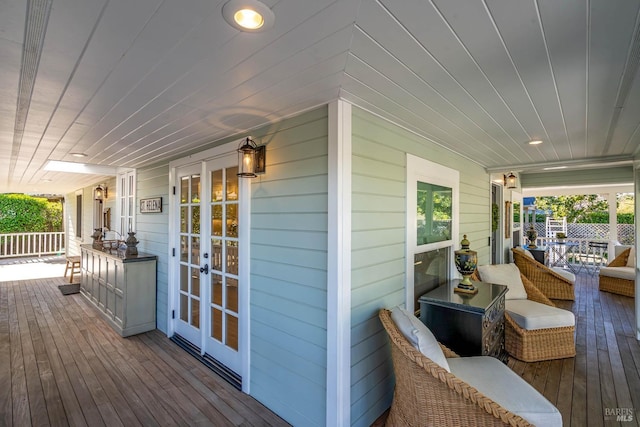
31	244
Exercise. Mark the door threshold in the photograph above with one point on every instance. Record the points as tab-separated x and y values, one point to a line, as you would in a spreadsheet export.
225	373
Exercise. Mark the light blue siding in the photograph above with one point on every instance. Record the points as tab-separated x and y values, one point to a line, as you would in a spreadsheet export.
289	270
288	264
152	231
288	294
378	278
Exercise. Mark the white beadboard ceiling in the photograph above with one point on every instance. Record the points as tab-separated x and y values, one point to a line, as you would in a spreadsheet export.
131	83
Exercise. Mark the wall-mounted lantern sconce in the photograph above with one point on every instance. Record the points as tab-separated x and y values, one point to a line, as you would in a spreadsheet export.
510	180
251	159
100	192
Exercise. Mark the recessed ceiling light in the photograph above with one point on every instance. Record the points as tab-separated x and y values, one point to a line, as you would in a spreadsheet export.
248	15
46	180
554	168
78	155
535	142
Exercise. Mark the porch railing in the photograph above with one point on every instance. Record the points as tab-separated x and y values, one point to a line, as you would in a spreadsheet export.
31	244
578	252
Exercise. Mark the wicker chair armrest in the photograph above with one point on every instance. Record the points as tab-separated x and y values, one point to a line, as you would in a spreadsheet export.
448	353
533	293
521	259
447	380
620	260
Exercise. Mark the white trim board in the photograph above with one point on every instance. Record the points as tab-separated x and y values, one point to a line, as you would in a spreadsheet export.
338	412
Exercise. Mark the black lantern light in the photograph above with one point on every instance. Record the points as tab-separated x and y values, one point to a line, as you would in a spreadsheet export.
510	180
251	159
100	193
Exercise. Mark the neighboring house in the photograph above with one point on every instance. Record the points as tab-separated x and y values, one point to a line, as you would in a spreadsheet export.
328	244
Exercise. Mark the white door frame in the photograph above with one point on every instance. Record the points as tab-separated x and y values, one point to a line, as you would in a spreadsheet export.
243	254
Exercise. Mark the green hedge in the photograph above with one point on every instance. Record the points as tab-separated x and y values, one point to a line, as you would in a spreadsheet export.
596	218
20	213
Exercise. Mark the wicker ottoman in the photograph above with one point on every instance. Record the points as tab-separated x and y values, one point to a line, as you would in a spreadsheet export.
538	344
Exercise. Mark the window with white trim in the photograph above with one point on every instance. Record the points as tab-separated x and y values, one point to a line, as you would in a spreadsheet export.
126	205
79	215
432	226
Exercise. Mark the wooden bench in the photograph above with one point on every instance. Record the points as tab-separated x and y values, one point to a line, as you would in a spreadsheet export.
73	264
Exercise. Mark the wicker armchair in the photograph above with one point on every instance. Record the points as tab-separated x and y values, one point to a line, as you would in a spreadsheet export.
552	284
426	394
610	279
537	344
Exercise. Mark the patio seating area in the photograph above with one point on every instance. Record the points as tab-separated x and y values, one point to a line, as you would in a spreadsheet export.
604	376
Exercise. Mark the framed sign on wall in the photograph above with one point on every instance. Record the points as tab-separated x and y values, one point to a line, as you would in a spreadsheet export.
152	205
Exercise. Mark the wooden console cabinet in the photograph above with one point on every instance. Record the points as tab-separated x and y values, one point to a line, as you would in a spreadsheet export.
470	325
122	288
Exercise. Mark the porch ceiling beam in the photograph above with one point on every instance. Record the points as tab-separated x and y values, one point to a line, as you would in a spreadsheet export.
569	164
568	190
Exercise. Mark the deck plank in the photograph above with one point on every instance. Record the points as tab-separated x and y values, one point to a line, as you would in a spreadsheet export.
6	406
55	409
74	403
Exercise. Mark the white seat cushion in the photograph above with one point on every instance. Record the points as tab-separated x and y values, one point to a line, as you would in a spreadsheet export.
419	335
631	261
628	273
499	383
504	274
531	315
566	274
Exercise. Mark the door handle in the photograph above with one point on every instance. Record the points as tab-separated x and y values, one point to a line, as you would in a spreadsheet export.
205	269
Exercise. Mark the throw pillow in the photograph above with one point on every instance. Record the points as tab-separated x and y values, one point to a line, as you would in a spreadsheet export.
504	274
631	261
419	336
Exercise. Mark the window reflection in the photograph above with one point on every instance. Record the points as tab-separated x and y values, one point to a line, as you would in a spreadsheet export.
434	213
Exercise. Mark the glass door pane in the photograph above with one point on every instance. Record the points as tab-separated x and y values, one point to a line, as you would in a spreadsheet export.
190	249
224	249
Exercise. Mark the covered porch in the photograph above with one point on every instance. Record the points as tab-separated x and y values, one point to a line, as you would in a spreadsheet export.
61	364
603	380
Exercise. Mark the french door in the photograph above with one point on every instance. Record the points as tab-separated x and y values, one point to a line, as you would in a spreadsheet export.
208	295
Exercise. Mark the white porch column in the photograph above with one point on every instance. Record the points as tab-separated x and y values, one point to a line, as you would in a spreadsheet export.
636	181
613	222
338	412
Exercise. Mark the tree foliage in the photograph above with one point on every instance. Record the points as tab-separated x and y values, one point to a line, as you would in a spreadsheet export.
20	213
590	208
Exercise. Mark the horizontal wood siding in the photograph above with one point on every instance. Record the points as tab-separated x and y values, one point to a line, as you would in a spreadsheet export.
73	243
289	270
617	175
378	244
152	232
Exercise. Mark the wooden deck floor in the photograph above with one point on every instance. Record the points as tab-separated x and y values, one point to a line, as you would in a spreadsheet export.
60	365
604	377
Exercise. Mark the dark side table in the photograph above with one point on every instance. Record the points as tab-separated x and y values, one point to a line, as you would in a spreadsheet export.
470	325
539	253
